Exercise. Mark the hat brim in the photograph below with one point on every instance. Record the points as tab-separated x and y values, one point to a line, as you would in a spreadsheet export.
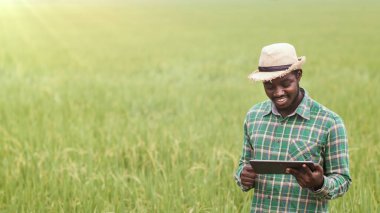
268	76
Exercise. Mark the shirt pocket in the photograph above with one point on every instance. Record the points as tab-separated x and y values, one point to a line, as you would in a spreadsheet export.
304	150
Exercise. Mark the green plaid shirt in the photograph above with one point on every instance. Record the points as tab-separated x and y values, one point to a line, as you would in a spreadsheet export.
312	132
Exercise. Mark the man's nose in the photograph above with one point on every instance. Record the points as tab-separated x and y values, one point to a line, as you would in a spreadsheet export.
278	92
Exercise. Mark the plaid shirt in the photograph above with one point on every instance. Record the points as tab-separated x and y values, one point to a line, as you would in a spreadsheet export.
312	132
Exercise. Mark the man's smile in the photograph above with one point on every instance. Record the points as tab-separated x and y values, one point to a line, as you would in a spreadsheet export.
281	100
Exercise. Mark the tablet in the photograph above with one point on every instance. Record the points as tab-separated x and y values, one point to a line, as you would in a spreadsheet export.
277	167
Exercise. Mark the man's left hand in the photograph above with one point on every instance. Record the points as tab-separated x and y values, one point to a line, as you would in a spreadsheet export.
306	178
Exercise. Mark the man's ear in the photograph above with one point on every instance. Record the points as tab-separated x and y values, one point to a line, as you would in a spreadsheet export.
299	74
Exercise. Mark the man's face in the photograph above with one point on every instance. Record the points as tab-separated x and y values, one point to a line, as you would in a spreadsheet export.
284	91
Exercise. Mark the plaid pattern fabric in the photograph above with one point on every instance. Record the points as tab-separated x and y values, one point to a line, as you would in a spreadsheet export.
311	133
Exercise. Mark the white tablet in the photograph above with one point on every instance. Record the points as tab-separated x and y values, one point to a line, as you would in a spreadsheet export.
277	167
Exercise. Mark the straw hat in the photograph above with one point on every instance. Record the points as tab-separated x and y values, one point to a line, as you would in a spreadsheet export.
277	60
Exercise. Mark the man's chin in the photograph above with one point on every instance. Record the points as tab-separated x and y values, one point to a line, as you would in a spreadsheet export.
281	106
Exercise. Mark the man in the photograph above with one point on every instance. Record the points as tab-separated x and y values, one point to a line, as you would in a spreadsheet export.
292	126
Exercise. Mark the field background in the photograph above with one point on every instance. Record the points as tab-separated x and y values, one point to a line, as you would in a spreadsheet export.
116	106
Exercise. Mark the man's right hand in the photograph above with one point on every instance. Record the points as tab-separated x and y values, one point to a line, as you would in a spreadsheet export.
248	176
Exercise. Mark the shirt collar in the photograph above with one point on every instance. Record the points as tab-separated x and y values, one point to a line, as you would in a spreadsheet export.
303	108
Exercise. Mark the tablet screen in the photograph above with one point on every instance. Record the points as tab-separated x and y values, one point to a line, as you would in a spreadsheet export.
277	167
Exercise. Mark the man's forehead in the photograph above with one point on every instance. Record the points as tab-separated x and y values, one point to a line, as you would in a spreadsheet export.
280	79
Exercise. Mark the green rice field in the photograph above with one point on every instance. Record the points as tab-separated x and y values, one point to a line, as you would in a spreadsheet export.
138	106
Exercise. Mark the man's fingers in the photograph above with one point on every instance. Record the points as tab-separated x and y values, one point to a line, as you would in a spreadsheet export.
248	171
298	175
293	172
248	174
318	168
248	167
247	180
247	184
307	170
